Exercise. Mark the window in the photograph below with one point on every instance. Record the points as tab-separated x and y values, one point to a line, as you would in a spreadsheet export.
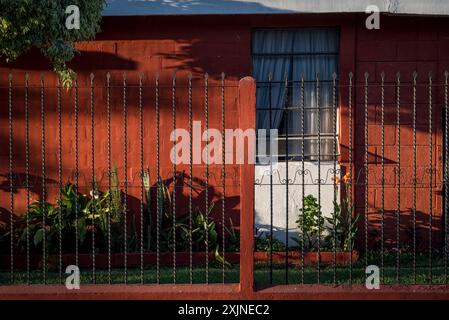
289	54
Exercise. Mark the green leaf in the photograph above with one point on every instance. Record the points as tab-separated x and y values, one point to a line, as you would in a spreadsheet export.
38	236
221	259
81	230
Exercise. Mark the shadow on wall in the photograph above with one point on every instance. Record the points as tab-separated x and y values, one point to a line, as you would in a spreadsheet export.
134	206
407	231
84	61
206	44
214	58
19	182
182	189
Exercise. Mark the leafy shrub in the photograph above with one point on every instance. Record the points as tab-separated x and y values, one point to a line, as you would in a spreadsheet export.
342	225
74	212
233	238
265	242
103	212
311	224
340	228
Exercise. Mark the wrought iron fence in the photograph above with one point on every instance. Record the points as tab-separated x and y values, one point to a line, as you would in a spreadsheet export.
360	180
378	198
88	181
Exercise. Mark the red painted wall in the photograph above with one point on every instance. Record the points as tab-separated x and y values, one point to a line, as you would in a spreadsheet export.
216	44
405	45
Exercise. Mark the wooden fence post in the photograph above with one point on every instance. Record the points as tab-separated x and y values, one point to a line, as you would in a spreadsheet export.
247	120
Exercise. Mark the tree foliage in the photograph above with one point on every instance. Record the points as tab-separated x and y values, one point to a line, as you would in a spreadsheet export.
25	24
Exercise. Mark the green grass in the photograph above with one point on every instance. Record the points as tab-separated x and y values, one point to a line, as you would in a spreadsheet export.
296	275
408	272
342	275
133	276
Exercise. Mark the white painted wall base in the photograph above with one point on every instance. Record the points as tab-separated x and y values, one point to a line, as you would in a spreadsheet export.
262	195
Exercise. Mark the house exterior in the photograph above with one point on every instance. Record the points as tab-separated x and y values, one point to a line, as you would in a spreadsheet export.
224	37
387	131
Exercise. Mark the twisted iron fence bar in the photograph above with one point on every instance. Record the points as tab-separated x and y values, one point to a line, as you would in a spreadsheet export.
206	116
366	167
446	177
302	176
430	178
351	170
27	175
382	228
158	191
190	179
174	175
319	174
223	172
415	75
141	179
44	211
271	184
108	111
11	179
59	177
76	170
125	181
94	186
286	178
398	170
334	162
